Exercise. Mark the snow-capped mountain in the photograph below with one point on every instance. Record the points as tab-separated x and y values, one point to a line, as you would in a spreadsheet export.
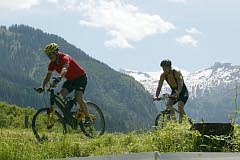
220	77
205	81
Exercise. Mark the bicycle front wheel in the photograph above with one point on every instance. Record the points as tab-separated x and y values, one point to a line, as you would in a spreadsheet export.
162	119
48	127
98	127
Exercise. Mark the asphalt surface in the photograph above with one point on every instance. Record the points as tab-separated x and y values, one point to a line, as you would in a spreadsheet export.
166	156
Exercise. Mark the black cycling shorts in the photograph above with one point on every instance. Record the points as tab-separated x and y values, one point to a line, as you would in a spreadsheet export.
183	96
78	84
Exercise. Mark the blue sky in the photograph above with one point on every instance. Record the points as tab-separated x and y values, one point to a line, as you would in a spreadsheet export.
138	34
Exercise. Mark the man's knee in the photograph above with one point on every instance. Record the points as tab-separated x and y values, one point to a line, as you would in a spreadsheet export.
64	92
79	96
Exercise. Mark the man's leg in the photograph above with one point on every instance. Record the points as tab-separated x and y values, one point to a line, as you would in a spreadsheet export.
64	92
82	103
181	110
83	106
66	89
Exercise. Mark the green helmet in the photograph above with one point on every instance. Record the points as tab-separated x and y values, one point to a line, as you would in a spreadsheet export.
51	48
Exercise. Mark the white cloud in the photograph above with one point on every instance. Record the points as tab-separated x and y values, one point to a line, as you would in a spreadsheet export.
187	40
18	4
117	41
123	22
193	30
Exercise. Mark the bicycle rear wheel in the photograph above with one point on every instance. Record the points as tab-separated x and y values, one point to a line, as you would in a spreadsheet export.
40	127
162	119
98	127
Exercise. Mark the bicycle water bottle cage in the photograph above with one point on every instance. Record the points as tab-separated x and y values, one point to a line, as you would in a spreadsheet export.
64	100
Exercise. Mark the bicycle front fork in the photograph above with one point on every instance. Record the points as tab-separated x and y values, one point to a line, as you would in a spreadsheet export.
51	113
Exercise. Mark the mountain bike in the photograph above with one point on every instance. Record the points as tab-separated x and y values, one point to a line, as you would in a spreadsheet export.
51	123
165	116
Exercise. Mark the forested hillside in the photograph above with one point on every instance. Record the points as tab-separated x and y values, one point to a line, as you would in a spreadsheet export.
23	65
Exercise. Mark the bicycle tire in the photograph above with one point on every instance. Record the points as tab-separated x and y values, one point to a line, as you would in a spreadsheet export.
161	119
39	126
98	127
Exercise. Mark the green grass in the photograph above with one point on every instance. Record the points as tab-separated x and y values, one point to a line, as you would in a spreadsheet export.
21	143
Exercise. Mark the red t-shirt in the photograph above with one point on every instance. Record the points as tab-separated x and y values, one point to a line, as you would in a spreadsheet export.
74	70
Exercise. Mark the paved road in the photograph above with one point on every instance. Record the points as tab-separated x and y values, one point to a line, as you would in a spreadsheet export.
166	156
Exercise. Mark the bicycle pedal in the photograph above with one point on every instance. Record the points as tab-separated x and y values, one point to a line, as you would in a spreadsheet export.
85	125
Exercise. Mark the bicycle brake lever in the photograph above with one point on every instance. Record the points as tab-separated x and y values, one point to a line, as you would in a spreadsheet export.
39	90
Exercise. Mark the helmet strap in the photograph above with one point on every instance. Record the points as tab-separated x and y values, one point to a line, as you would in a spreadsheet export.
57	56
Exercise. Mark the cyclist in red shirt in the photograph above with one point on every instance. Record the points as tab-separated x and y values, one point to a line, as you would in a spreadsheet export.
76	76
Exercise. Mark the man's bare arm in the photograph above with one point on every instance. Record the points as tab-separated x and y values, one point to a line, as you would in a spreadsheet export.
47	78
179	78
160	83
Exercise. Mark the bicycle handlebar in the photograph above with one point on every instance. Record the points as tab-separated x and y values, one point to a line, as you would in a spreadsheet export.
51	85
159	98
